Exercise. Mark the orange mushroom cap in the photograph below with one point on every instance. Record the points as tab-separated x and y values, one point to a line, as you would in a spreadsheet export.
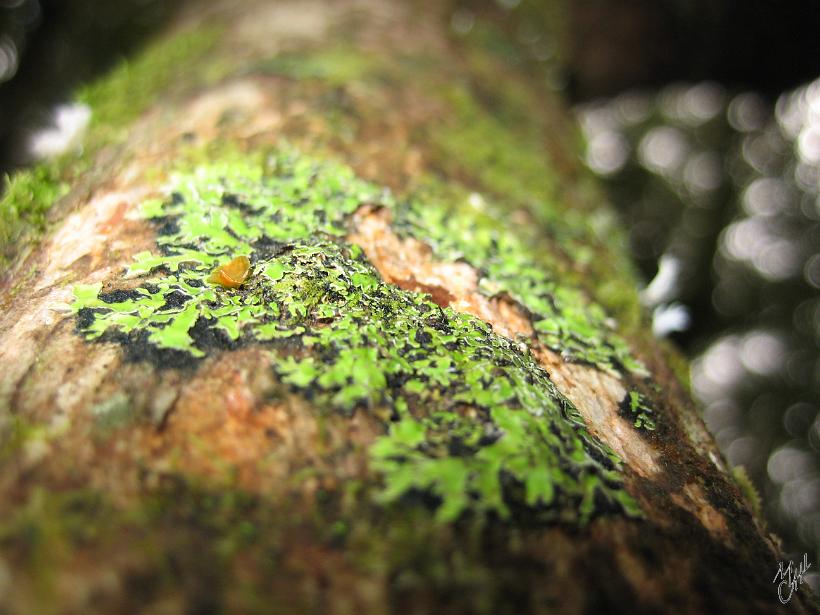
232	274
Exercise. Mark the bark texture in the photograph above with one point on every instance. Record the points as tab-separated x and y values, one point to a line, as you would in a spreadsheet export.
433	392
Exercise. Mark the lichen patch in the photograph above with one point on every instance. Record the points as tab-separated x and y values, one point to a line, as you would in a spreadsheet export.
443	404
597	395
409	264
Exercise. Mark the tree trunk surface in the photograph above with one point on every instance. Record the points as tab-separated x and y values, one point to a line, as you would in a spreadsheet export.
328	318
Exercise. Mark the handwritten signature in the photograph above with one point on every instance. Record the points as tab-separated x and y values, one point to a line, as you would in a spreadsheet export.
790	578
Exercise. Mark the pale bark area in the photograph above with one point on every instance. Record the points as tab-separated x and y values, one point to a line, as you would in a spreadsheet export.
229	424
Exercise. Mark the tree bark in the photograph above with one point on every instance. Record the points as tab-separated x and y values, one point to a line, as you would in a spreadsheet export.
430	388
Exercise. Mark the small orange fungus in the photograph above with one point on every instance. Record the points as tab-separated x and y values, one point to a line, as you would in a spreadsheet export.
232	274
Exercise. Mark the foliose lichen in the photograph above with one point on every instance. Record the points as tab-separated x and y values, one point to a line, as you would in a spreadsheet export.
471	420
637	408
489	136
472	230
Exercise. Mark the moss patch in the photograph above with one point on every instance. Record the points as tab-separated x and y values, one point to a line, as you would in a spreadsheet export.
338	66
748	489
161	533
119	98
27	198
115	101
504	163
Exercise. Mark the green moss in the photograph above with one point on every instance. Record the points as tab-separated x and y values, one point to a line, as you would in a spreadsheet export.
20	437
115	100
161	531
44	531
531	32
471	419
120	97
505	164
336	66
189	544
15	433
748	489
678	363
64	518
27	197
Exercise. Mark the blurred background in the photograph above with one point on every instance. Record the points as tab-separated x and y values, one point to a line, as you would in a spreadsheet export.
702	119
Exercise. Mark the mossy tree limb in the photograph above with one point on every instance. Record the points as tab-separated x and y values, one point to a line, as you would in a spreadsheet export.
429	388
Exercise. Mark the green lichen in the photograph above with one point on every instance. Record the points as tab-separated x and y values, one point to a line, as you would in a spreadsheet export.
506	137
472	230
508	161
470	418
214	214
638	409
491	137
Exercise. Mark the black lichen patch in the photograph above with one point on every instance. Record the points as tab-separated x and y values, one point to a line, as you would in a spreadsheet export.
208	336
137	347
174	300
167	226
85	318
119	296
265	248
234	201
